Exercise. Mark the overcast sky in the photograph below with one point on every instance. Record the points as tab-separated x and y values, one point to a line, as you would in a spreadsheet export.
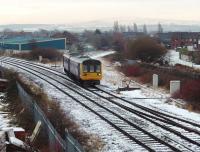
74	11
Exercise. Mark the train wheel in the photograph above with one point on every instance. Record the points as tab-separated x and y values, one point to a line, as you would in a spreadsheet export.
98	83
65	70
82	83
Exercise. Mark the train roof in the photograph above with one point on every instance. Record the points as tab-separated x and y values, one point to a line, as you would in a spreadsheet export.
79	58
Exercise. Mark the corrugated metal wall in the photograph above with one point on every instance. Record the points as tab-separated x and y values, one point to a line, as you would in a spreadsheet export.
56	44
11	46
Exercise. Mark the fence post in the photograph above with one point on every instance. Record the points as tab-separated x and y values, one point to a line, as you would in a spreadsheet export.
66	140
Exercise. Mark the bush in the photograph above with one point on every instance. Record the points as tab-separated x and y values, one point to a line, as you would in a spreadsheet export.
146	78
19	114
191	91
165	78
49	53
23	55
132	70
145	49
55	114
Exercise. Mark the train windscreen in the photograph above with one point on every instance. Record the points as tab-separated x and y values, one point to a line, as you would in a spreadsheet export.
92	66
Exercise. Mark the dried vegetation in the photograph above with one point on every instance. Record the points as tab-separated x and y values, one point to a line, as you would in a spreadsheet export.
58	117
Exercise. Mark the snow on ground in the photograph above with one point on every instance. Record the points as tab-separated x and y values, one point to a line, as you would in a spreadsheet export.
113	79
4	121
99	54
174	59
89	122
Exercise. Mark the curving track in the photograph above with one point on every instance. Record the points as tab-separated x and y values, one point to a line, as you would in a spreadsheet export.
149	128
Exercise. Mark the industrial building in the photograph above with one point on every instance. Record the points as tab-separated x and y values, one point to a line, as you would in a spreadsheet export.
23	44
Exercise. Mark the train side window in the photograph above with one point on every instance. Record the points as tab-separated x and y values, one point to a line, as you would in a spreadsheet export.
85	69
91	68
98	68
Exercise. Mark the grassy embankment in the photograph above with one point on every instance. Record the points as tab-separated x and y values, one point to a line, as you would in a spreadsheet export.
22	117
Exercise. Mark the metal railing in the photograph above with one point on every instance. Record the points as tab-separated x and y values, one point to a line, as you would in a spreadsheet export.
56	142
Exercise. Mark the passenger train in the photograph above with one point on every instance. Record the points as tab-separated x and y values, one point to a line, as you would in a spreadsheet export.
84	69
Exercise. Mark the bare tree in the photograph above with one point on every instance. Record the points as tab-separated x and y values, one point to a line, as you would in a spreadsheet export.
118	42
144	48
116	27
145	29
160	29
135	28
122	28
129	29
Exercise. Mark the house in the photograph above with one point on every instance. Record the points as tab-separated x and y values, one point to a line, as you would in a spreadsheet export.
191	56
180	39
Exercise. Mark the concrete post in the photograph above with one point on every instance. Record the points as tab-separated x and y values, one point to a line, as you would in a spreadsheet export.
155	81
175	86
40	58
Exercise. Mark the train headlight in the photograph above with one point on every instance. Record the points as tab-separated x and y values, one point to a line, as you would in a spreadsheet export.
99	74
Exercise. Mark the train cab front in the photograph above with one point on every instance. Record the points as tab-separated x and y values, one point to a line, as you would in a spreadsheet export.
91	72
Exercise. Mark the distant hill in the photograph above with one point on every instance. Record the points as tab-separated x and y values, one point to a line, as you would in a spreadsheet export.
103	25
30	27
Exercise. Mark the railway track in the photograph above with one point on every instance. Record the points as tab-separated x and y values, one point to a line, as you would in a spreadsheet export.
156	112
121	115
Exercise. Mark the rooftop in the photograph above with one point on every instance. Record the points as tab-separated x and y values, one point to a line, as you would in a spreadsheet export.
21	40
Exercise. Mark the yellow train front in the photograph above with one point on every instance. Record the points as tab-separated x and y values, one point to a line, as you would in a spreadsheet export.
84	69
